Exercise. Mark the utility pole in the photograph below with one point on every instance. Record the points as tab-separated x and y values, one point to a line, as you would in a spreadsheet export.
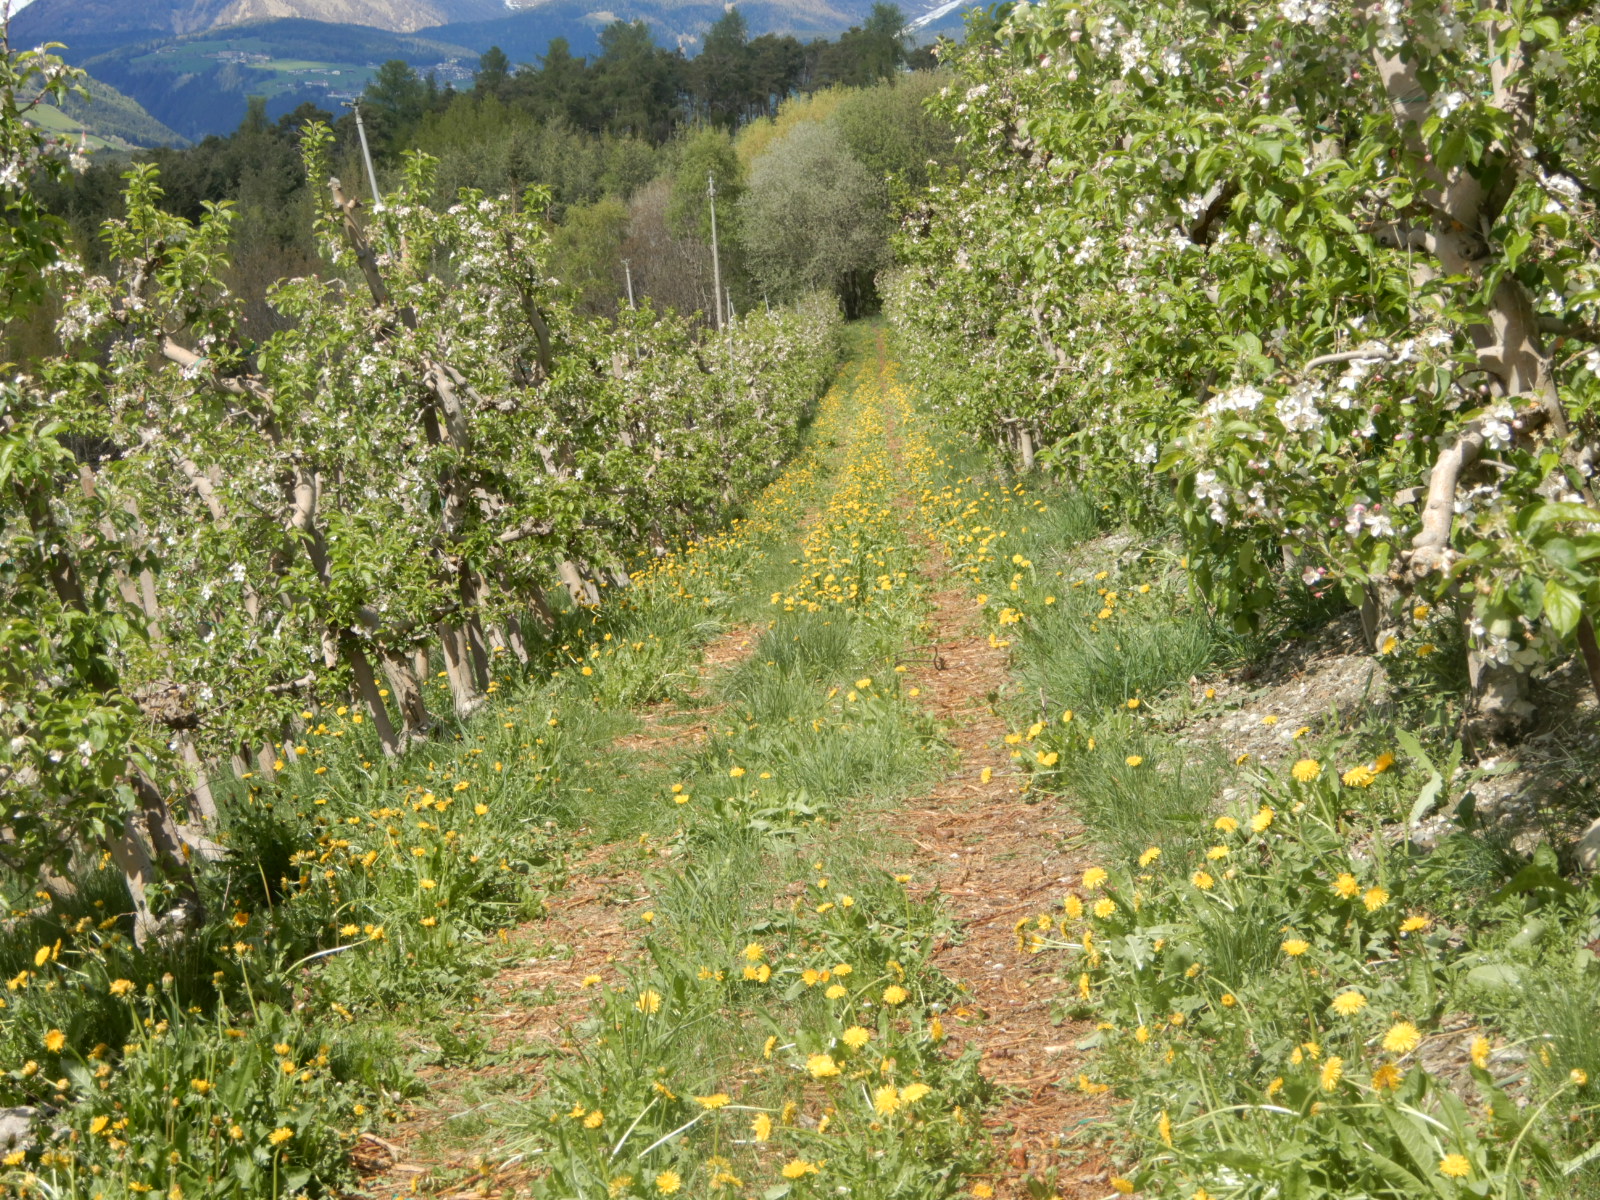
627	270
716	261
366	154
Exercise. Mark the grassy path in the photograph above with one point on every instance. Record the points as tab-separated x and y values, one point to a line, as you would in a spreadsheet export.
794	967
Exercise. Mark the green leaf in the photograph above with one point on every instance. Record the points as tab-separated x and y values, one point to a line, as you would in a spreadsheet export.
1562	608
1269	149
1543	514
1426	798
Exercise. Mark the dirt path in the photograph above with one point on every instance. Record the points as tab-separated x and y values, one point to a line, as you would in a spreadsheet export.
992	857
543	988
996	860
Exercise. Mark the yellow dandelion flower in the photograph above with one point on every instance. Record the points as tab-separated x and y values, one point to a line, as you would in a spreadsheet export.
54	1041
1307	770
1332	1072
1225	825
668	1182
1094	877
1262	820
1386	1078
836	991
649	1002
1454	1166
822	1066
1203	881
895	994
1375	898
1134	760
1149	856
1073	906
913	1092
1295	947
855	1037
280	1135
1105	908
799	1168
1480	1053
761	1127
886	1100
1416	923
1346	885
1348	1004
1403	1037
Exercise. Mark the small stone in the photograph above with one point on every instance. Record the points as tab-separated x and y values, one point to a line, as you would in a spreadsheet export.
16	1127
1588	852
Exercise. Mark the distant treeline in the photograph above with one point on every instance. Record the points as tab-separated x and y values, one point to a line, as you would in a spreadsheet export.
623	143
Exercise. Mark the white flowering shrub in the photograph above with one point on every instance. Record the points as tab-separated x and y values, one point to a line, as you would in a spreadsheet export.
1330	269
204	535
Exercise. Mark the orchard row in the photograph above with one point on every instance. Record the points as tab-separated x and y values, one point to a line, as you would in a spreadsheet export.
1318	280
212	538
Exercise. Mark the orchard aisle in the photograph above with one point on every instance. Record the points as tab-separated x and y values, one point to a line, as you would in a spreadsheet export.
801	971
997	860
542	990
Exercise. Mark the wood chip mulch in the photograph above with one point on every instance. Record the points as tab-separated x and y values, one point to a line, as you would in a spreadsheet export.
996	858
587	930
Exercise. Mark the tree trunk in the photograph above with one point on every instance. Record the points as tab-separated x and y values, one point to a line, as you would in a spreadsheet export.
539	611
458	670
205	803
583	592
408	697
367	686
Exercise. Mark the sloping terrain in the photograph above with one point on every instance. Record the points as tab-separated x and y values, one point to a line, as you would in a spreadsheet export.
65	19
107	119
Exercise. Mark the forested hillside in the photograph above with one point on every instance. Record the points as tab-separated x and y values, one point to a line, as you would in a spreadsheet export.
622	144
816	620
695	58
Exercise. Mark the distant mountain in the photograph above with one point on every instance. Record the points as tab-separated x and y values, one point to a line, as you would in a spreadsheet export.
116	120
192	64
200	83
107	120
525	34
62	20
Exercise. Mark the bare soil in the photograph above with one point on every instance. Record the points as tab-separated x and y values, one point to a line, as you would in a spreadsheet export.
996	859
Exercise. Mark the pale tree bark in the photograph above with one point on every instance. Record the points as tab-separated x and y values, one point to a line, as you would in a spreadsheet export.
540	612
581	589
367	688
1456	212
406	688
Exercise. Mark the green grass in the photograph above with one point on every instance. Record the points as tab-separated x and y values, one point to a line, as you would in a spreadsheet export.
1210	954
